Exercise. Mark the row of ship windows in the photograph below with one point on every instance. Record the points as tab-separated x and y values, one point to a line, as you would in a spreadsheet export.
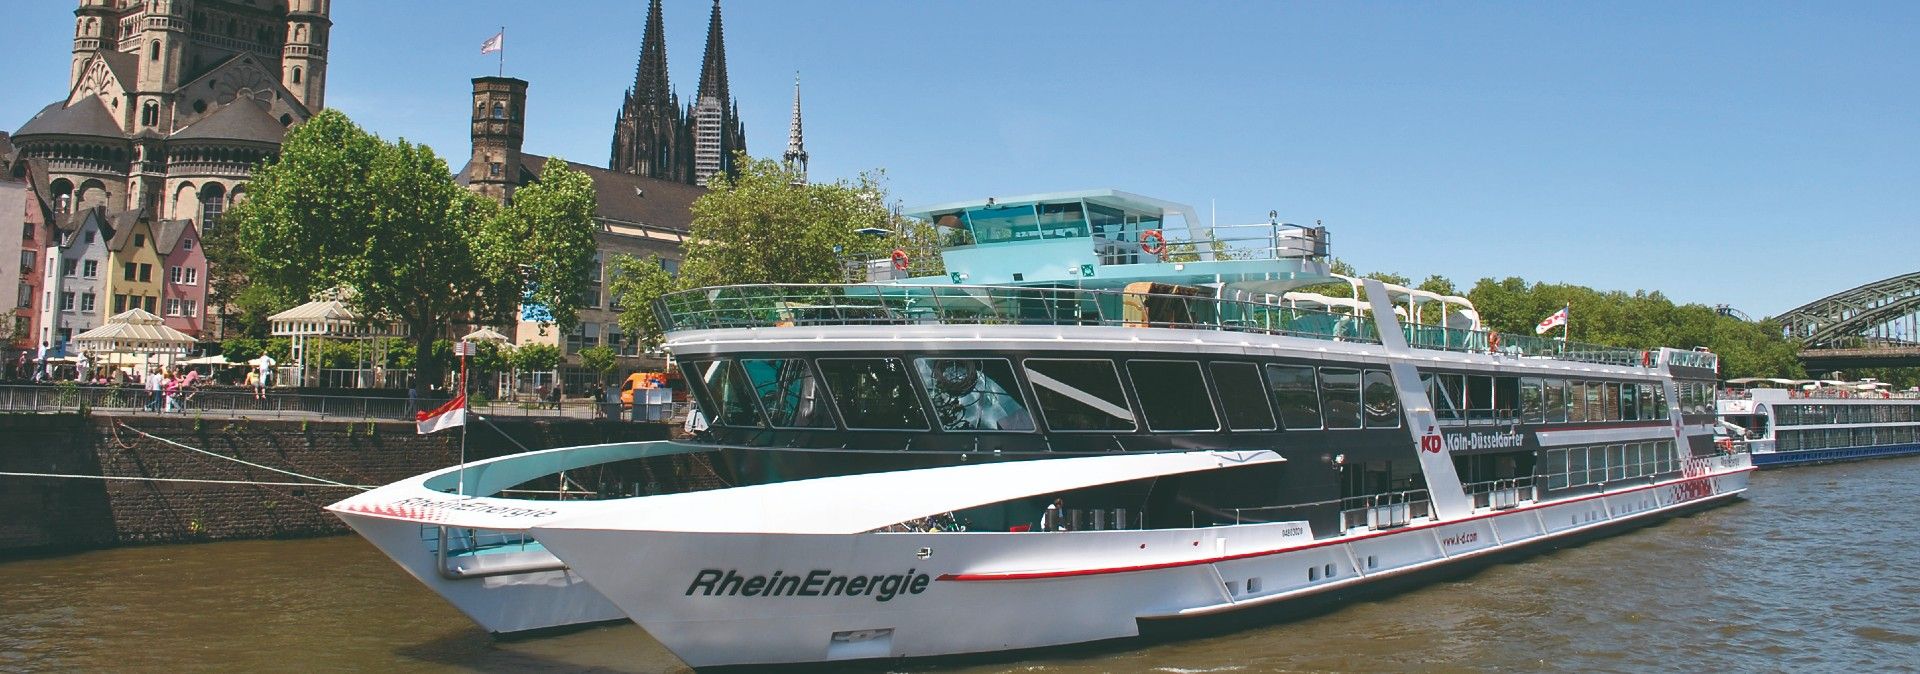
1796	415
1787	441
1538	400
985	394
1577	466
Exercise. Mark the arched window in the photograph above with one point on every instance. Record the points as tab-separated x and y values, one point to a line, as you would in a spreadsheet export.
153	51
296	74
150	114
62	195
213	202
499	111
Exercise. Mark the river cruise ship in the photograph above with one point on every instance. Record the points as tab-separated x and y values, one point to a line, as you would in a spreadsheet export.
1789	422
1083	427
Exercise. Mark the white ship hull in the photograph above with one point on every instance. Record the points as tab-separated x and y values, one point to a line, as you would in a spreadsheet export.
931	594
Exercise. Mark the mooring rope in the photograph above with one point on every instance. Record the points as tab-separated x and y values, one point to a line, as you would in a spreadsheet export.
184	479
239	460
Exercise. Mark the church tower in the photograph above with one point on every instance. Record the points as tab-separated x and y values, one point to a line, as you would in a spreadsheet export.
717	133
93	27
796	154
499	127
649	135
303	61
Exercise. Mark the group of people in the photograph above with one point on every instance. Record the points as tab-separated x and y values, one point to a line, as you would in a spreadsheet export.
166	390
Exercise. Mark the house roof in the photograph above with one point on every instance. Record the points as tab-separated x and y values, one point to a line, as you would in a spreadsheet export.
120	229
625	197
167	234
242	119
89	117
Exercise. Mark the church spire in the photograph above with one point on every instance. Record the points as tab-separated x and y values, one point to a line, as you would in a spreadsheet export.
647	132
713	68
650	76
796	155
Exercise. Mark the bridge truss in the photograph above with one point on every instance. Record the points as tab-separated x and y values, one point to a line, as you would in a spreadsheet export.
1873	325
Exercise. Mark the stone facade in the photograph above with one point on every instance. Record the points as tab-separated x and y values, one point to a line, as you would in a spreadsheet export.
50	513
169	105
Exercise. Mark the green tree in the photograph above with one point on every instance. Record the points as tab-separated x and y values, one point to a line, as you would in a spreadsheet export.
537	357
599	359
341	207
764	226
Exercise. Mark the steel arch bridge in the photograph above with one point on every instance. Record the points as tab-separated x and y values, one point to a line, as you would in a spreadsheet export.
1873	325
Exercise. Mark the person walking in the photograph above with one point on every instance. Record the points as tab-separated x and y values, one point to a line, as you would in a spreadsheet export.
265	370
172	391
153	384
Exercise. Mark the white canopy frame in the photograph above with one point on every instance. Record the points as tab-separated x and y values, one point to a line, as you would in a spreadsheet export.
329	318
138	332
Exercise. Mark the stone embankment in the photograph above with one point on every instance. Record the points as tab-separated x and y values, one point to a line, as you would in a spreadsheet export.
43	513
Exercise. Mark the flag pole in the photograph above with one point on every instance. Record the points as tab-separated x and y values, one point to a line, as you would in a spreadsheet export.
462	486
1566	326
502	72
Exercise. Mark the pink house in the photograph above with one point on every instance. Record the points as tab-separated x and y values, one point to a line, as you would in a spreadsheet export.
183	294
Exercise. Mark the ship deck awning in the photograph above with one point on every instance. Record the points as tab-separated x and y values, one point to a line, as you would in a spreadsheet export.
851	504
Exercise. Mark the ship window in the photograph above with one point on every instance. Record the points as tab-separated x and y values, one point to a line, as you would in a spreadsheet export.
1506	397
1062	221
1449	394
1660	402
729	393
1382	402
1240	395
1554	395
789	392
1577	467
873	393
1079	395
1479	397
1004	223
978	394
1610	401
1629	405
1595	409
1553	467
1616	462
1295	395
1340	387
1530	410
1173	395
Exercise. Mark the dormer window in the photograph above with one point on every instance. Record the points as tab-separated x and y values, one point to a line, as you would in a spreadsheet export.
139	240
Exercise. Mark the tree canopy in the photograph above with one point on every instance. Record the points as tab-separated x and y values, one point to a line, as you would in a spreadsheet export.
765	226
344	208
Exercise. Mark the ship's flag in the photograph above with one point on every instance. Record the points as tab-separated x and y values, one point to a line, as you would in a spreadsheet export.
495	43
441	418
1558	319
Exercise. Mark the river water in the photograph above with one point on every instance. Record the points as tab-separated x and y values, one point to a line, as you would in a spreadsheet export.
1819	570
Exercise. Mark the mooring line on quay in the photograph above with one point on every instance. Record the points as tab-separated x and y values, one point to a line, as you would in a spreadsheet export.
244	461
182	479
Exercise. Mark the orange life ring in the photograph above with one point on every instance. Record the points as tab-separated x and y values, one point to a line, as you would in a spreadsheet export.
1153	242
899	259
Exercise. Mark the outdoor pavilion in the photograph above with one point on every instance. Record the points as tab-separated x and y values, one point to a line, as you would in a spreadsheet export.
137	333
504	383
310	325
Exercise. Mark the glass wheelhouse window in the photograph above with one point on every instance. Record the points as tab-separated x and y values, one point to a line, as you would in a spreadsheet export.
977	394
789	393
1004	223
1241	395
1382	403
1173	395
1079	395
1340	387
1296	395
729	394
873	393
1062	221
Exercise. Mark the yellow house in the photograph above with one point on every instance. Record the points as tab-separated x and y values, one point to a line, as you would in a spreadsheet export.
133	273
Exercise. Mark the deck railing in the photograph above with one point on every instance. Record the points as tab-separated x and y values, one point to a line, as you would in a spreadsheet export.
785	305
767	306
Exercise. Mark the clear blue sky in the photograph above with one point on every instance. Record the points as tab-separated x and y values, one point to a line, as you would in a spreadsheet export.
1753	153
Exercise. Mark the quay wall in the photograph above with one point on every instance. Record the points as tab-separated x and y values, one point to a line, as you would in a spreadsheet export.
52	514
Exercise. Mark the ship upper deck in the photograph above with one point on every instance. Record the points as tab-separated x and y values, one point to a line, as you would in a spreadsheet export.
775	306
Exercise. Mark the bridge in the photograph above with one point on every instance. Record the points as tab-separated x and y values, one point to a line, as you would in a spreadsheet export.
1874	325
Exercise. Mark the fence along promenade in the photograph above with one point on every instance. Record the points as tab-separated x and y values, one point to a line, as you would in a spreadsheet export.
241	403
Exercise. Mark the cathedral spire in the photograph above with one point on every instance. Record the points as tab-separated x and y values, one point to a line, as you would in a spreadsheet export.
713	67
646	134
650	76
796	155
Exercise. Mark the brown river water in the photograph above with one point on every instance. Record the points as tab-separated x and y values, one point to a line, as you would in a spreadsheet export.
1818	570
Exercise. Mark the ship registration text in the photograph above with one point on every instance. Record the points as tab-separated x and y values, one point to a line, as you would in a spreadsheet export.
817	583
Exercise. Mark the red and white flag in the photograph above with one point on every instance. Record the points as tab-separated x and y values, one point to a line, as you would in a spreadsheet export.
441	418
1558	319
495	43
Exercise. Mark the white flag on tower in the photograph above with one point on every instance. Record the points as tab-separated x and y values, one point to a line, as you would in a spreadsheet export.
495	43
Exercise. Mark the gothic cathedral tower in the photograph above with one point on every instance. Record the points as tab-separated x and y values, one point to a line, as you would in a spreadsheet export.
654	136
